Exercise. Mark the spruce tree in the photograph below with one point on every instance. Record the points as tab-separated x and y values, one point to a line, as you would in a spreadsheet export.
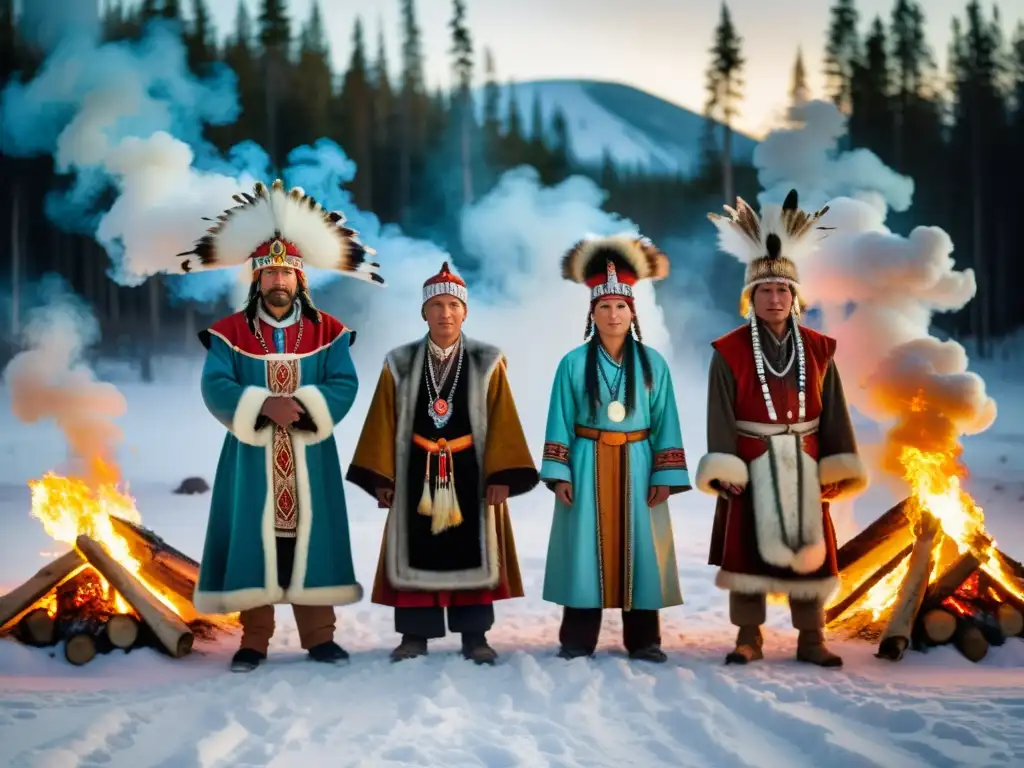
357	118
871	122
462	72
412	106
841	53
799	92
724	89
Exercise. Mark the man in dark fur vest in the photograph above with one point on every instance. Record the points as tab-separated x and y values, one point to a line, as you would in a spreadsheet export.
279	377
443	450
780	441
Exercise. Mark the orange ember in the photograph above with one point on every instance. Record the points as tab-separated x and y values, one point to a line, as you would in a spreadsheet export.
69	507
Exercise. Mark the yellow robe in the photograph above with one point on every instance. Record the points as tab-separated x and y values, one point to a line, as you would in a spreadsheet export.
382	460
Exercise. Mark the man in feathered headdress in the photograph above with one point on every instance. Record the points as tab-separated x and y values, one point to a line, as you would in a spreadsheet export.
780	441
279	376
443	450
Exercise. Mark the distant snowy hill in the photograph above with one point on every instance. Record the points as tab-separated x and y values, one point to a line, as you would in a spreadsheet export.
637	128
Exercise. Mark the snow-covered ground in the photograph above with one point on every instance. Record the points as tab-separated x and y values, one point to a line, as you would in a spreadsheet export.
532	709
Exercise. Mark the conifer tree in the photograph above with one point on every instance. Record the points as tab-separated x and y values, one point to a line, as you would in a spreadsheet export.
841	53
871	121
357	118
799	92
724	89
412	105
275	38
462	72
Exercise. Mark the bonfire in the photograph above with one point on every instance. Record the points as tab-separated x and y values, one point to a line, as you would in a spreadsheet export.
120	586
928	572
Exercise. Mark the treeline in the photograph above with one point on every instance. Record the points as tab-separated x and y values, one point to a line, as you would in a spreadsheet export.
423	152
959	133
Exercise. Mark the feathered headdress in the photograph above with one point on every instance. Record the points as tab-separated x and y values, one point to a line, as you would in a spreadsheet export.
286	228
770	245
611	266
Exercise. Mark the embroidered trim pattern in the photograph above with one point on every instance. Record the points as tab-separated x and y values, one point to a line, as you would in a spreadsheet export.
670	458
556	452
283	377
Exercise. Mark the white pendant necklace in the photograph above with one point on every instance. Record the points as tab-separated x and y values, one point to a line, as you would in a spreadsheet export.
760	363
616	410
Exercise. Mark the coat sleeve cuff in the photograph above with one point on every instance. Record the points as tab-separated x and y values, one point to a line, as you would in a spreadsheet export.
243	422
723	468
315	403
845	470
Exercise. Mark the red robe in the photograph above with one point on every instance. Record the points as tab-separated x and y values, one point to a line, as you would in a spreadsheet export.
734	546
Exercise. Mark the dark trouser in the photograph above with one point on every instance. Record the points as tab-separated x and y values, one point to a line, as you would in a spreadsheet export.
316	623
429	622
582	626
750	611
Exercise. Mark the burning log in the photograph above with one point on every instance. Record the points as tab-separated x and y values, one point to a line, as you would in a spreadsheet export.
38	627
897	635
952	578
893	528
173	634
21	600
836	610
938	626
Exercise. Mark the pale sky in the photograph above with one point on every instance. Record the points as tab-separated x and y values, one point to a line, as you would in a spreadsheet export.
660	46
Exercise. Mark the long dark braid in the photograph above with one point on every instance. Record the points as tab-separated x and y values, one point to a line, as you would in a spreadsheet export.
590	373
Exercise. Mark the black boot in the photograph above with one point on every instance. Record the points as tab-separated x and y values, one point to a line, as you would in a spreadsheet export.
651	653
411	647
476	649
246	660
328	653
570	652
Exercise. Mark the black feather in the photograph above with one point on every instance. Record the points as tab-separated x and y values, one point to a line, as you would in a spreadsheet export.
774	245
791	201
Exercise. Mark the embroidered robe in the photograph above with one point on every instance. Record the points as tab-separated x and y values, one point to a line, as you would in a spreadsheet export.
745	546
475	562
609	549
277	482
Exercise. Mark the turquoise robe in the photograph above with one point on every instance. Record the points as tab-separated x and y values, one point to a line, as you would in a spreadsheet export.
572	575
239	565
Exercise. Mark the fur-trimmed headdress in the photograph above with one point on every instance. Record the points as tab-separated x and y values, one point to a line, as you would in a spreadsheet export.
611	266
275	227
771	245
445	282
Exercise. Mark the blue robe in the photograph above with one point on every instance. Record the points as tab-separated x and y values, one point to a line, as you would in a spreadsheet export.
239	568
573	574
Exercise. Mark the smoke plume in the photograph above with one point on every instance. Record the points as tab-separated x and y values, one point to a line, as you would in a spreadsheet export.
50	379
878	291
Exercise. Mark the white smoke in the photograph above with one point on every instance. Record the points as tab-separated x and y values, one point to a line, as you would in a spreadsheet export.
879	290
50	379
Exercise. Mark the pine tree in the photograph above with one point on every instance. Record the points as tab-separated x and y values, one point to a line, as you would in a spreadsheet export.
200	38
171	10
462	71
724	84
312	94
841	53
384	134
799	93
357	119
240	56
871	119
412	107
275	37
492	101
560	163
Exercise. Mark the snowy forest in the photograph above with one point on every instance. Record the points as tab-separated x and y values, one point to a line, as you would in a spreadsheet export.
423	151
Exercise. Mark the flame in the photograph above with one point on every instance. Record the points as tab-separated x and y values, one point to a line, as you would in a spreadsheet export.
69	507
934	478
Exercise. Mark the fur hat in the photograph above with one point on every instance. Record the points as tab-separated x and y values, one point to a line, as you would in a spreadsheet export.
611	266
274	227
771	245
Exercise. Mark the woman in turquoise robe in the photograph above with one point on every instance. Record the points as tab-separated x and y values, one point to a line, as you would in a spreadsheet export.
613	436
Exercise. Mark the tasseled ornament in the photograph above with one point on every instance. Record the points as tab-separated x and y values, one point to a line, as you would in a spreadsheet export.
425	507
444	510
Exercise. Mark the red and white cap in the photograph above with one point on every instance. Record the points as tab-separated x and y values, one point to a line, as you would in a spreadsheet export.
445	283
